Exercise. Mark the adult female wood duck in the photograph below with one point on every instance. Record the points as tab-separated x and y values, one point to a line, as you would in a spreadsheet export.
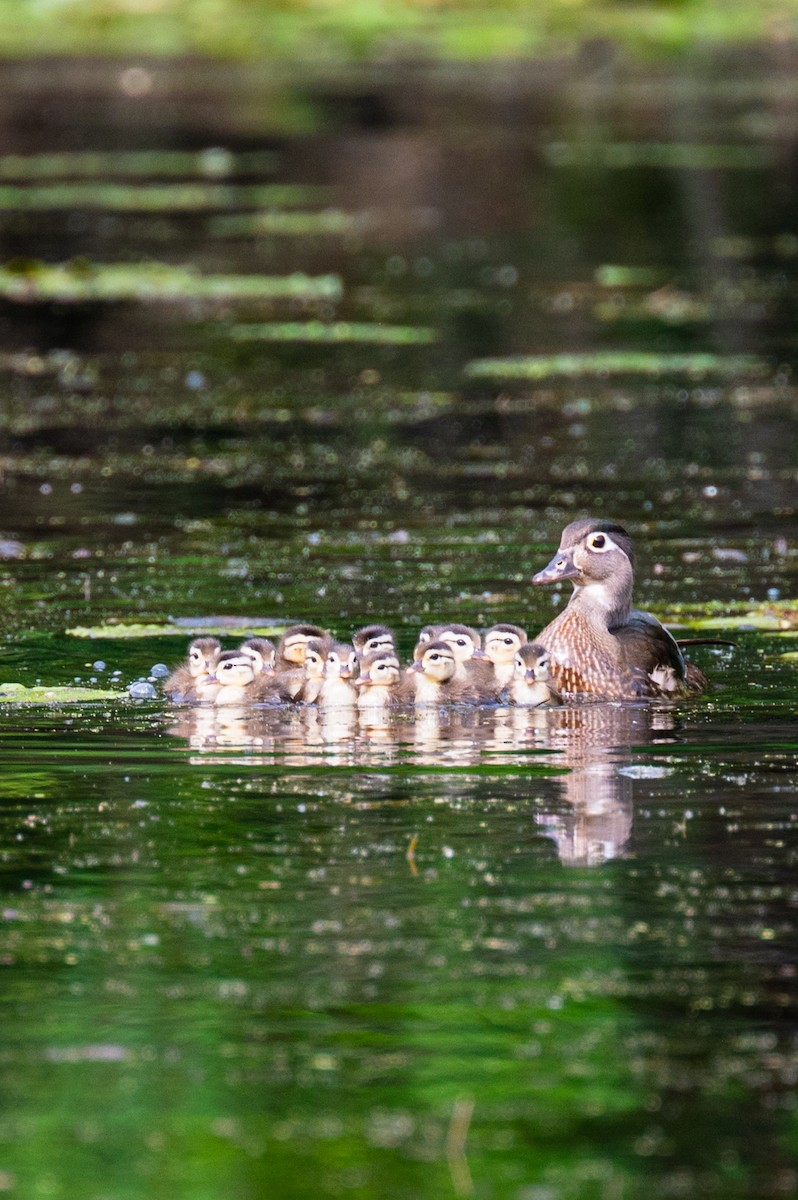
599	644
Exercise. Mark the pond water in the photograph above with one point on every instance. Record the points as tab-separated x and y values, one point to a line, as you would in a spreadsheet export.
355	351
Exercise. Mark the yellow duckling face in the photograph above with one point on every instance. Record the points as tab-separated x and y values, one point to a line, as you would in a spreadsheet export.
503	642
234	669
262	652
532	663
203	654
341	661
464	641
438	662
315	660
380	669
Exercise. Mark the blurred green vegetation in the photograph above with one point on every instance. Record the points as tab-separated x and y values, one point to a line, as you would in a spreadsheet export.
331	32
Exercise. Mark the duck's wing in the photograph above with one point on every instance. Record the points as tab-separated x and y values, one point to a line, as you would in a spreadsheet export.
648	646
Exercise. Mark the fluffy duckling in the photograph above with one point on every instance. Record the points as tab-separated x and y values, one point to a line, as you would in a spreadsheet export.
436	678
599	644
263	653
337	688
236	674
372	638
379	681
502	643
531	684
429	633
302	683
192	680
291	646
472	662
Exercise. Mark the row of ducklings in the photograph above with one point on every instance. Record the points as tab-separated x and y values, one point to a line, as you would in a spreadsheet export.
450	666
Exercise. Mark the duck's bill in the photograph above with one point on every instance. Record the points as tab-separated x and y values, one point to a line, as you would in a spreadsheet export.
560	567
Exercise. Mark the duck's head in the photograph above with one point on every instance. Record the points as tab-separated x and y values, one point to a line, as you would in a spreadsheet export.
379	668
372	638
292	644
532	663
202	655
597	556
341	661
502	642
262	651
438	662
234	667
465	642
315	658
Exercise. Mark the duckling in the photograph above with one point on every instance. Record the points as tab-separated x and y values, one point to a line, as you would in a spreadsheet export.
371	638
336	688
437	677
236	674
472	662
313	670
502	643
191	681
531	684
291	646
379	681
302	683
263	652
599	644
429	633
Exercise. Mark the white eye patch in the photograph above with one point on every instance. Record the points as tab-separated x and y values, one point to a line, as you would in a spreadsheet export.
601	543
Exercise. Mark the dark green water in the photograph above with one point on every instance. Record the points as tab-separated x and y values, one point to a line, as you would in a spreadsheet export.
533	956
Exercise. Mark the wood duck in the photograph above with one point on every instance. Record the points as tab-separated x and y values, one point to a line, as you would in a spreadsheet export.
236	673
341	667
437	679
531	685
291	646
263	653
379	681
472	662
371	638
599	644
191	681
300	682
429	634
502	643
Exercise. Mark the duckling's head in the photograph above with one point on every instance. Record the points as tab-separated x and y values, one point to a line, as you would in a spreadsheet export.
371	638
233	667
597	556
382	668
465	642
202	655
262	651
532	663
293	642
502	642
315	658
341	661
438	662
429	633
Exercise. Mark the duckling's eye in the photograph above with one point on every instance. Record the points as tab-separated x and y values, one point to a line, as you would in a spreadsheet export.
508	641
519	662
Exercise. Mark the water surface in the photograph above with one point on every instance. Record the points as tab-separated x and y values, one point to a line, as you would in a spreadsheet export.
495	953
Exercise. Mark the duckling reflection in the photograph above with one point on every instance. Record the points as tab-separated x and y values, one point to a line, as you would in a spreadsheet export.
586	811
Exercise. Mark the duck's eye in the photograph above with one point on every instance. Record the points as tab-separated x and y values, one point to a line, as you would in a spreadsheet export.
600	541
508	641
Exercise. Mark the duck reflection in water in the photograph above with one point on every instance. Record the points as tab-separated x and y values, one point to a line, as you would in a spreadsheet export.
587	810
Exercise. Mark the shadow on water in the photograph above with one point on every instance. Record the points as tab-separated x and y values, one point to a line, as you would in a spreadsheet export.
358	351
